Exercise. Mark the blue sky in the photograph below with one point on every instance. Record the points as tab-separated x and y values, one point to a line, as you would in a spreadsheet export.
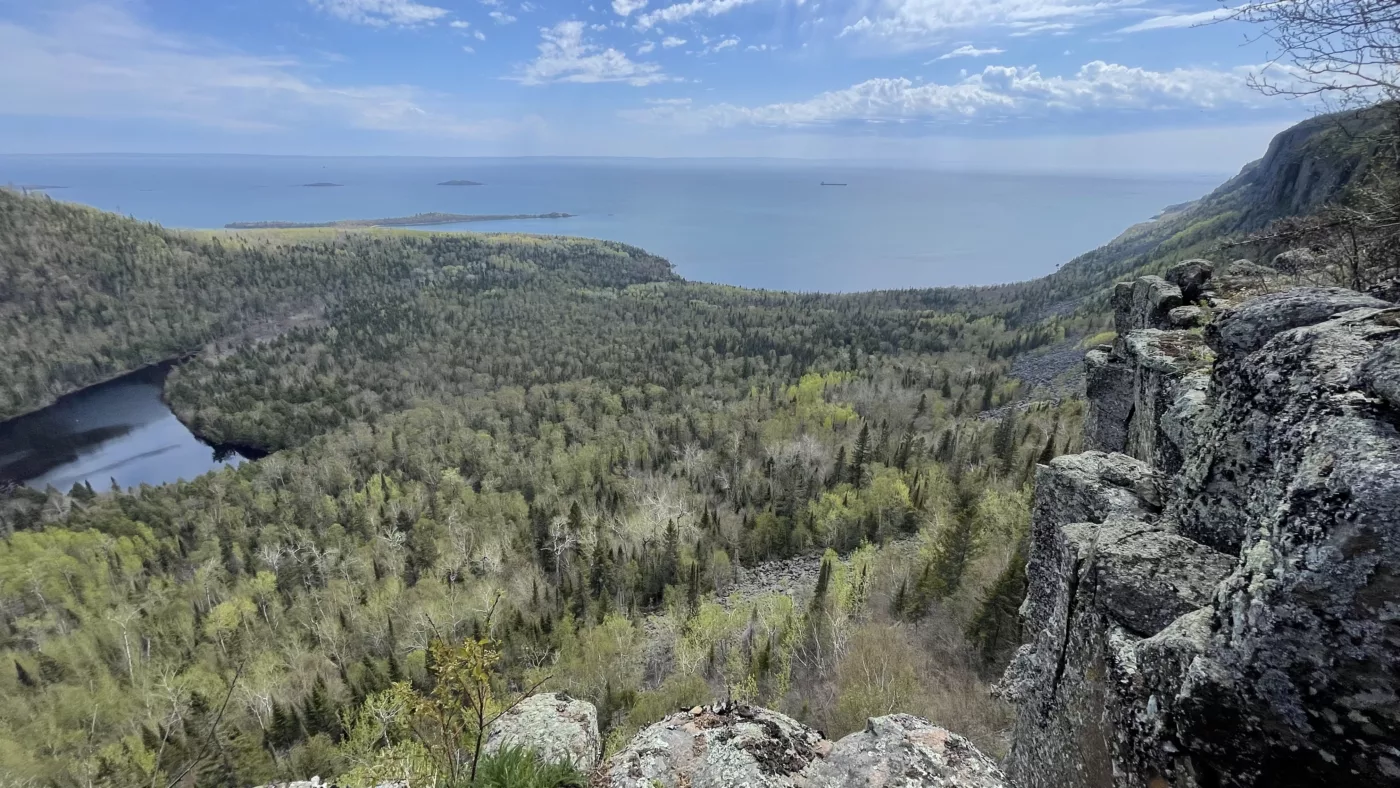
1101	85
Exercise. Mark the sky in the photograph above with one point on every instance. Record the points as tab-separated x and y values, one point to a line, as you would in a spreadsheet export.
1155	86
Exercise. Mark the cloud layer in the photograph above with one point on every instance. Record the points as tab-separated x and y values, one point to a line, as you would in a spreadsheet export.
380	13
997	91
98	61
565	56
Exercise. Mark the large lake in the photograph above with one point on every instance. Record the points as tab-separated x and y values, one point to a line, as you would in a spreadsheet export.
763	223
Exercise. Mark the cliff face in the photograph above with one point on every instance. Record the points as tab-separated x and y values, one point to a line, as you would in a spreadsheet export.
1214	592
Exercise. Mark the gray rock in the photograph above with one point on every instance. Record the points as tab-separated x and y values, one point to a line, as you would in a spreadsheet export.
1187	317
1108	385
1247	327
737	746
1242	628
1386	290
718	746
556	726
1191	276
1293	261
903	751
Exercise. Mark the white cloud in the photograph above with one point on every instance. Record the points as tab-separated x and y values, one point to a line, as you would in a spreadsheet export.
725	44
382	12
627	7
909	24
997	91
680	11
968	50
469	50
566	57
646	47
459	24
1179	20
99	61
501	17
671	42
480	36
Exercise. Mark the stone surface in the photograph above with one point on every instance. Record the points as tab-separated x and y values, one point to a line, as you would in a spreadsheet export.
1242	628
718	746
1245	329
737	746
903	751
556	726
1187	317
1191	277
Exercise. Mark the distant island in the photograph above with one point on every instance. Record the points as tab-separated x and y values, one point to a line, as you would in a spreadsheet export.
824	183
319	185
415	220
38	187
461	183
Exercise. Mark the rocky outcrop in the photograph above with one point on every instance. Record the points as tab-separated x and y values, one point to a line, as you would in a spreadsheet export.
556	726
1214	594
726	745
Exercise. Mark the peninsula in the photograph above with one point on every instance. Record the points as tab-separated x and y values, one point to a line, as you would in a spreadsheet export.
416	220
461	183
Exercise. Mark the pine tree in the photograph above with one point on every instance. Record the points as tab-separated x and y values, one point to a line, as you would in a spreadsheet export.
994	629
861	456
1004	442
823	581
1048	453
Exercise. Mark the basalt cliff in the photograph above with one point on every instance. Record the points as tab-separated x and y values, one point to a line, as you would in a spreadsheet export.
1215	586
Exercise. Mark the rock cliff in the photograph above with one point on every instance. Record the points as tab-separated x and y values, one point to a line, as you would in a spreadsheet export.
1214	594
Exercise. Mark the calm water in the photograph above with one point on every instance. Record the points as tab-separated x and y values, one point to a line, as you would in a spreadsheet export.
120	430
757	224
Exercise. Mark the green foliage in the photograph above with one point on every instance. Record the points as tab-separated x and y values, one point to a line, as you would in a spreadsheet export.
555	430
514	767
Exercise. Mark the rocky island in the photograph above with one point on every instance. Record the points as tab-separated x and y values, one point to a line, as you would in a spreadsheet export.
416	220
461	183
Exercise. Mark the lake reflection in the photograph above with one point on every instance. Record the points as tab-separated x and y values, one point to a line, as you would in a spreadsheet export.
120	430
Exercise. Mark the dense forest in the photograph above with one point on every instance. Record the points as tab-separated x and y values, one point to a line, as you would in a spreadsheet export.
547	462
553	444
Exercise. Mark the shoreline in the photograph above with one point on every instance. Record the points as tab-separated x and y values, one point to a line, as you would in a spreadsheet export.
417	220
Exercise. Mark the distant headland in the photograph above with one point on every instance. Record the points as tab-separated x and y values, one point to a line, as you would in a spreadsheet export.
415	220
319	185
461	183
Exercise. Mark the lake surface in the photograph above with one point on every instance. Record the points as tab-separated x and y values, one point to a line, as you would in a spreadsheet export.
119	430
754	223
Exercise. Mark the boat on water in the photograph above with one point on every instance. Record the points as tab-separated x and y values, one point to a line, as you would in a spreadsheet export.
824	183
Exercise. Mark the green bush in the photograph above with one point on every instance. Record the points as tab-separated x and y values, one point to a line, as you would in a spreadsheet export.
517	767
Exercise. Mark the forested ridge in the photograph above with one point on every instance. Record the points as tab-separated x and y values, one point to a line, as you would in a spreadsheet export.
560	432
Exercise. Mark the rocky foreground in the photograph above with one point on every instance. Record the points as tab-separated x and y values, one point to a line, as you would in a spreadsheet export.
1214	587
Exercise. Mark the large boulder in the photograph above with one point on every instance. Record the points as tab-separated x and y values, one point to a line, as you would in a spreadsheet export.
903	751
556	726
727	745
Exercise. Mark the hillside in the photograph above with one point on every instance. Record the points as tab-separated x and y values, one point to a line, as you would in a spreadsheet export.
523	461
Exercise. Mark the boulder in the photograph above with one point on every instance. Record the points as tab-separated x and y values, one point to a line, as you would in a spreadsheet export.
556	726
719	746
728	745
903	751
1191	277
